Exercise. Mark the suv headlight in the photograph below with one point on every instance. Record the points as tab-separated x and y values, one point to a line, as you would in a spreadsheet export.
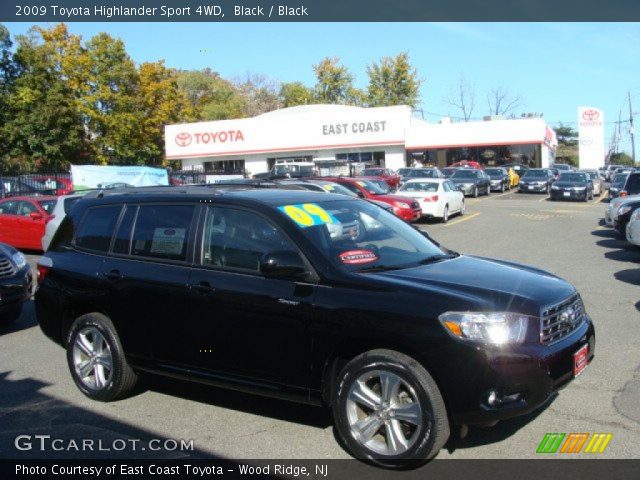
497	328
555	187
18	260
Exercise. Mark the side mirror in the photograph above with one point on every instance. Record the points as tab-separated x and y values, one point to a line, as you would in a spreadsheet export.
282	264
35	216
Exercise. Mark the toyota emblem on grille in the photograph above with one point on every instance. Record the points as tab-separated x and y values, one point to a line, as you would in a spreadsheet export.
568	317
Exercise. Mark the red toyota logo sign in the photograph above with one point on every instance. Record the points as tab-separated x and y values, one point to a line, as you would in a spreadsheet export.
591	115
183	139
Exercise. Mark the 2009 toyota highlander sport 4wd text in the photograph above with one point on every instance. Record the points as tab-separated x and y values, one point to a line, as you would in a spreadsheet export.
322	299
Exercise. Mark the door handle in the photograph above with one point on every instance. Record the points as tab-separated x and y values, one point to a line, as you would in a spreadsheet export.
113	275
202	287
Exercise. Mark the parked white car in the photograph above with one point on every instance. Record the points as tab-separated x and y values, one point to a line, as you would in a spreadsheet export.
611	213
60	210
633	228
438	197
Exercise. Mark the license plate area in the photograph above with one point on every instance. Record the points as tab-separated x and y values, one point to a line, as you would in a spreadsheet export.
566	194
580	360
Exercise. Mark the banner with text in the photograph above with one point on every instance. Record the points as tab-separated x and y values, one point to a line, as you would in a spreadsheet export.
98	176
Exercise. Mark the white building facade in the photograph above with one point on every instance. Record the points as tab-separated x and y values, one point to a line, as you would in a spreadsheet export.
335	136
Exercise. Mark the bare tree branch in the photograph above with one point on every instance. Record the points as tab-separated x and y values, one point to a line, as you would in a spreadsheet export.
463	98
502	102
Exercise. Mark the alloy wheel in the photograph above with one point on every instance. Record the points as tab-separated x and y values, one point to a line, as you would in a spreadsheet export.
384	413
92	358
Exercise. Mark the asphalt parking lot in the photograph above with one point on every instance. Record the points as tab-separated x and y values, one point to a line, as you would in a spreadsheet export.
566	238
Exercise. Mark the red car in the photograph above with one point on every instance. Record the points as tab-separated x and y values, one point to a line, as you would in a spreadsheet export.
386	174
404	207
23	220
63	186
467	164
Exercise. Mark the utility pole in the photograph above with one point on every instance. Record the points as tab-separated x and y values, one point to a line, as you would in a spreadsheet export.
633	143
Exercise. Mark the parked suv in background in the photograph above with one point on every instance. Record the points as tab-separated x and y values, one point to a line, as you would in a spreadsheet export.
389	176
631	185
305	296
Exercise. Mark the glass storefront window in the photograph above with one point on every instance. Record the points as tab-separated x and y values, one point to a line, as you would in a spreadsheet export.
491	155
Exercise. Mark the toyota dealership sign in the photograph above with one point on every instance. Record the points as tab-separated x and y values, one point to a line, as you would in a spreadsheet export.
591	137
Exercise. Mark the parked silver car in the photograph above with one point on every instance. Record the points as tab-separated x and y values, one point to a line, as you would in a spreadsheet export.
596	180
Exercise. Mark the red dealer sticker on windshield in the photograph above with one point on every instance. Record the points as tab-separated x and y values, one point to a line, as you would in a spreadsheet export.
356	257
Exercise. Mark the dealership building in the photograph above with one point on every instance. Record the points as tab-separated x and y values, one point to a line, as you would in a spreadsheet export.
337	137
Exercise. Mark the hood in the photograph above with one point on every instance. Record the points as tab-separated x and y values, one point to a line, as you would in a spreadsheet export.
567	184
464	180
393	198
483	284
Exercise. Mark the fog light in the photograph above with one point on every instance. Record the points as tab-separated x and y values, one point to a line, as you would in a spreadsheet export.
493	399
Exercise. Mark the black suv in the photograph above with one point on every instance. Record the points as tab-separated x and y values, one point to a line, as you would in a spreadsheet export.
632	184
322	299
15	283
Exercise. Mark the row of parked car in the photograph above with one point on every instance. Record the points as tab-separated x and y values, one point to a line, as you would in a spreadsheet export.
623	211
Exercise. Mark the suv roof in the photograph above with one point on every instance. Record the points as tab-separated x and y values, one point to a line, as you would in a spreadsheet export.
272	194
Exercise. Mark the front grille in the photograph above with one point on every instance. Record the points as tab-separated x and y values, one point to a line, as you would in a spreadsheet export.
6	268
560	320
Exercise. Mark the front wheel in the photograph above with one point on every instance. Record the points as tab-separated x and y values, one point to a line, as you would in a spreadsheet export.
445	214
388	410
462	208
96	359
475	192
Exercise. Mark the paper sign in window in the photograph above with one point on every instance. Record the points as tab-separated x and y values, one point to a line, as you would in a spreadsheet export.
168	240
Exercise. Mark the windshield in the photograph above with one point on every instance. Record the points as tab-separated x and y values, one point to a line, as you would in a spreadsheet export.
620	178
573	177
414	186
337	188
354	235
373	187
535	174
448	172
422	173
562	167
465	174
494	172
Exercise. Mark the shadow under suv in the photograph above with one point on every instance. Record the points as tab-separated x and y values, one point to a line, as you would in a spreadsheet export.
321	299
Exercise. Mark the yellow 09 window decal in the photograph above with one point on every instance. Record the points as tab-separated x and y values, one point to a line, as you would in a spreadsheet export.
308	214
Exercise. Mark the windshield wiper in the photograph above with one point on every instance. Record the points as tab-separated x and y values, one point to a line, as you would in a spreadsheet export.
380	268
438	257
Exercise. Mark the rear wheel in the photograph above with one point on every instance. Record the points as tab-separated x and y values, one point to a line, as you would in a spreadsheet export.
388	409
96	360
445	214
462	208
475	192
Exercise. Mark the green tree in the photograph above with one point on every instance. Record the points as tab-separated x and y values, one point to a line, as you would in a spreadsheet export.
111	102
296	93
393	81
161	103
567	150
621	158
43	126
210	96
334	82
7	74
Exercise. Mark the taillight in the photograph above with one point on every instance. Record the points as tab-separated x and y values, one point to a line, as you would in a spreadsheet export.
44	266
433	198
623	194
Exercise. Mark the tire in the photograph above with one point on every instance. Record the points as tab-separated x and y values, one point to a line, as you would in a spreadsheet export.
475	192
10	316
93	342
462	208
445	214
502	189
415	441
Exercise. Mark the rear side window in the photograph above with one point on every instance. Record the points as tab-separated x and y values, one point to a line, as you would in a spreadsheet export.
633	184
97	228
68	203
162	231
